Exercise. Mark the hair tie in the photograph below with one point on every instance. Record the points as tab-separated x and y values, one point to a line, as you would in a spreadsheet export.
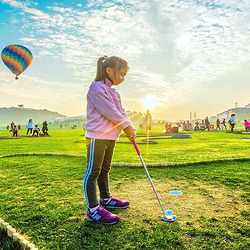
104	58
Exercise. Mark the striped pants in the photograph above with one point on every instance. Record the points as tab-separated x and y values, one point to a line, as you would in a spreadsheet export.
99	158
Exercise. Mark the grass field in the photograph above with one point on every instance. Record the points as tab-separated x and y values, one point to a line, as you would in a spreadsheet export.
42	197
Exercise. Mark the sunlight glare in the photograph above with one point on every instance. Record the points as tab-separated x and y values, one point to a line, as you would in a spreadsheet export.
151	101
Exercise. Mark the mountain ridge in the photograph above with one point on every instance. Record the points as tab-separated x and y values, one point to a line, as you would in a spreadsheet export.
22	115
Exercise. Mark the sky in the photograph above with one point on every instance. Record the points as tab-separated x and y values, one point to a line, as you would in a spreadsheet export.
184	56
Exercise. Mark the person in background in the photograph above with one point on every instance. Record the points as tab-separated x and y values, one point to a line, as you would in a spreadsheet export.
188	126
247	125
218	124
12	126
30	127
232	122
196	128
223	124
15	131
36	131
207	124
45	128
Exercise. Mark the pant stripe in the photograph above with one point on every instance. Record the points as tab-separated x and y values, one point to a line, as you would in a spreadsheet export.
89	168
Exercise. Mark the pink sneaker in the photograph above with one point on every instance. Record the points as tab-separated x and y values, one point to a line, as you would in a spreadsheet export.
102	216
114	203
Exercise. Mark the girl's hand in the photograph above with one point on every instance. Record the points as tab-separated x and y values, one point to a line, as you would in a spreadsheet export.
130	132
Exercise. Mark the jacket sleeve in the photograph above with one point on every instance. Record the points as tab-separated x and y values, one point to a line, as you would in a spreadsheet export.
105	107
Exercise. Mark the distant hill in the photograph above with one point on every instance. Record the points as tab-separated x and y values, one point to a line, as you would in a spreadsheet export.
22	115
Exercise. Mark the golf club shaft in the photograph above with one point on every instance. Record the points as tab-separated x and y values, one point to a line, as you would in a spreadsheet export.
151	181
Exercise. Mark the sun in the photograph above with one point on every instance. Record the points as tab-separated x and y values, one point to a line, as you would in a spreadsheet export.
151	101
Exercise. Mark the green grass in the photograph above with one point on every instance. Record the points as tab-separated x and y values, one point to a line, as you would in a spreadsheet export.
201	147
7	243
42	197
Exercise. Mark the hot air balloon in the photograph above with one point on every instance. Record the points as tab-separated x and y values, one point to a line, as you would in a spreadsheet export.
17	58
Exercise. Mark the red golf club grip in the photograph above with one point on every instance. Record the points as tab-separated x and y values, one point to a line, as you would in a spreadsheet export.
136	147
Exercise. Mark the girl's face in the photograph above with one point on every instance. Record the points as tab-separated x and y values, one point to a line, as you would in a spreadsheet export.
117	77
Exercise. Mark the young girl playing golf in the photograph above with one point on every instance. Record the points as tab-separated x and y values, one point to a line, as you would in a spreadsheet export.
105	121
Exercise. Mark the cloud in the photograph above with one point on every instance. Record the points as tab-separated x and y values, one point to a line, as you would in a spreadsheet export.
173	47
61	95
14	3
45	53
36	14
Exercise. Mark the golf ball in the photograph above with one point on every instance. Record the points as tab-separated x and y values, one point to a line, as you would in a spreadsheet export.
169	212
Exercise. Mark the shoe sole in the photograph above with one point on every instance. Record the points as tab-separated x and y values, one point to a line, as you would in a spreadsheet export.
104	223
110	207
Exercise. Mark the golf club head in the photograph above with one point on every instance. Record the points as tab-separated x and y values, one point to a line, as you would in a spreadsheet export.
169	218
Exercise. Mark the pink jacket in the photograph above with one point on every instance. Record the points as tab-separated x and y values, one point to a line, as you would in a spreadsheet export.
105	115
247	124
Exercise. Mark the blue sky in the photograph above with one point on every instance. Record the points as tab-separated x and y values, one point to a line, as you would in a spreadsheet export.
183	55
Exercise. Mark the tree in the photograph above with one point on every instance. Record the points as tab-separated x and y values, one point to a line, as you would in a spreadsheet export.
190	116
195	115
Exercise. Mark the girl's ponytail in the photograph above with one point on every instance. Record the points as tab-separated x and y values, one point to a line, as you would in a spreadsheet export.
100	73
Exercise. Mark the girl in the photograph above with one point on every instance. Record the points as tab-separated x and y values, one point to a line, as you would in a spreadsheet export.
105	120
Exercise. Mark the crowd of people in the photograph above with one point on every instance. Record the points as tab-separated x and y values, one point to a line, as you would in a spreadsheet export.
32	130
205	125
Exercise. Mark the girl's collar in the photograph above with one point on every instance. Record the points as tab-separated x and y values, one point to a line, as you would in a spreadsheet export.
108	82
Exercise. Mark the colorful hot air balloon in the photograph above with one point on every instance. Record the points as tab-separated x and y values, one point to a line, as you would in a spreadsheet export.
17	58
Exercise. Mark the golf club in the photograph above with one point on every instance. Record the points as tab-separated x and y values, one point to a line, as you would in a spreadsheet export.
167	215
